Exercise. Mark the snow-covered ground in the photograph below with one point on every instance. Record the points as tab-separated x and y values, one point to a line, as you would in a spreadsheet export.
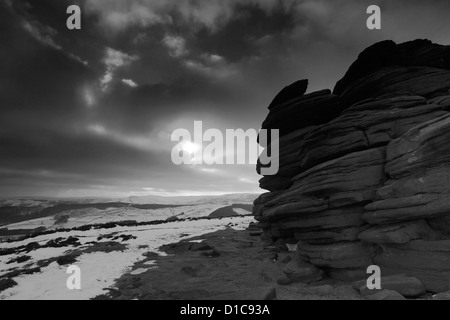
86	216
99	270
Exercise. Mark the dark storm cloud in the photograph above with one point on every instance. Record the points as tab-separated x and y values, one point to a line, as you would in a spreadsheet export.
93	109
238	38
38	77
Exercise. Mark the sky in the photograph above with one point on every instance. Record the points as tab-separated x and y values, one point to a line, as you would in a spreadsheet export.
90	112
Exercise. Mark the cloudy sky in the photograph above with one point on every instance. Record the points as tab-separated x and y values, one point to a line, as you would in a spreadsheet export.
90	112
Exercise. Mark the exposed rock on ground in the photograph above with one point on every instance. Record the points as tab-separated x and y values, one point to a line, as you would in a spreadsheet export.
365	171
244	270
386	295
406	286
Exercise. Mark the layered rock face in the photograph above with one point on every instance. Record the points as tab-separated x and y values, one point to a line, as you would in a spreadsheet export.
365	171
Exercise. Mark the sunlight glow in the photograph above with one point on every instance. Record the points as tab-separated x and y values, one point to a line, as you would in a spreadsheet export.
190	147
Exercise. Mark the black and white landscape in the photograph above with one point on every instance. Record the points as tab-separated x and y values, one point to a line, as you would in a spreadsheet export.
110	110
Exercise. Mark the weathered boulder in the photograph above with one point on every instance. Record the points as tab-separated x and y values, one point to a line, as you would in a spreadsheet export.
337	183
423	147
290	92
339	255
275	183
412	80
406	286
387	53
386	295
365	171
348	274
399	233
306	110
298	270
407	208
419	164
331	235
442	296
289	146
367	125
313	224
428	261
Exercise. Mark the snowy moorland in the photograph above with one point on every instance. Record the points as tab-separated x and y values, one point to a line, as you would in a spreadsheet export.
99	268
104	242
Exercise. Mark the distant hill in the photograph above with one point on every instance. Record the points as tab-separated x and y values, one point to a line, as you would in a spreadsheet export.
194	200
24	209
15	214
229	211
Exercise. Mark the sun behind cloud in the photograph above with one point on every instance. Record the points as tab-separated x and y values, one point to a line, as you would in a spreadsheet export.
190	147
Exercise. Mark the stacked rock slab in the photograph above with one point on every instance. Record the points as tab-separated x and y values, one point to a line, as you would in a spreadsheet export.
365	171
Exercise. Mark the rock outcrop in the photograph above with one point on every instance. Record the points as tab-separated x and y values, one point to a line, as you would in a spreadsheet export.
365	171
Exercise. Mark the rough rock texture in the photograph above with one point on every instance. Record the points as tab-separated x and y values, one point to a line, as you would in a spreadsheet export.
298	270
383	295
365	171
406	286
